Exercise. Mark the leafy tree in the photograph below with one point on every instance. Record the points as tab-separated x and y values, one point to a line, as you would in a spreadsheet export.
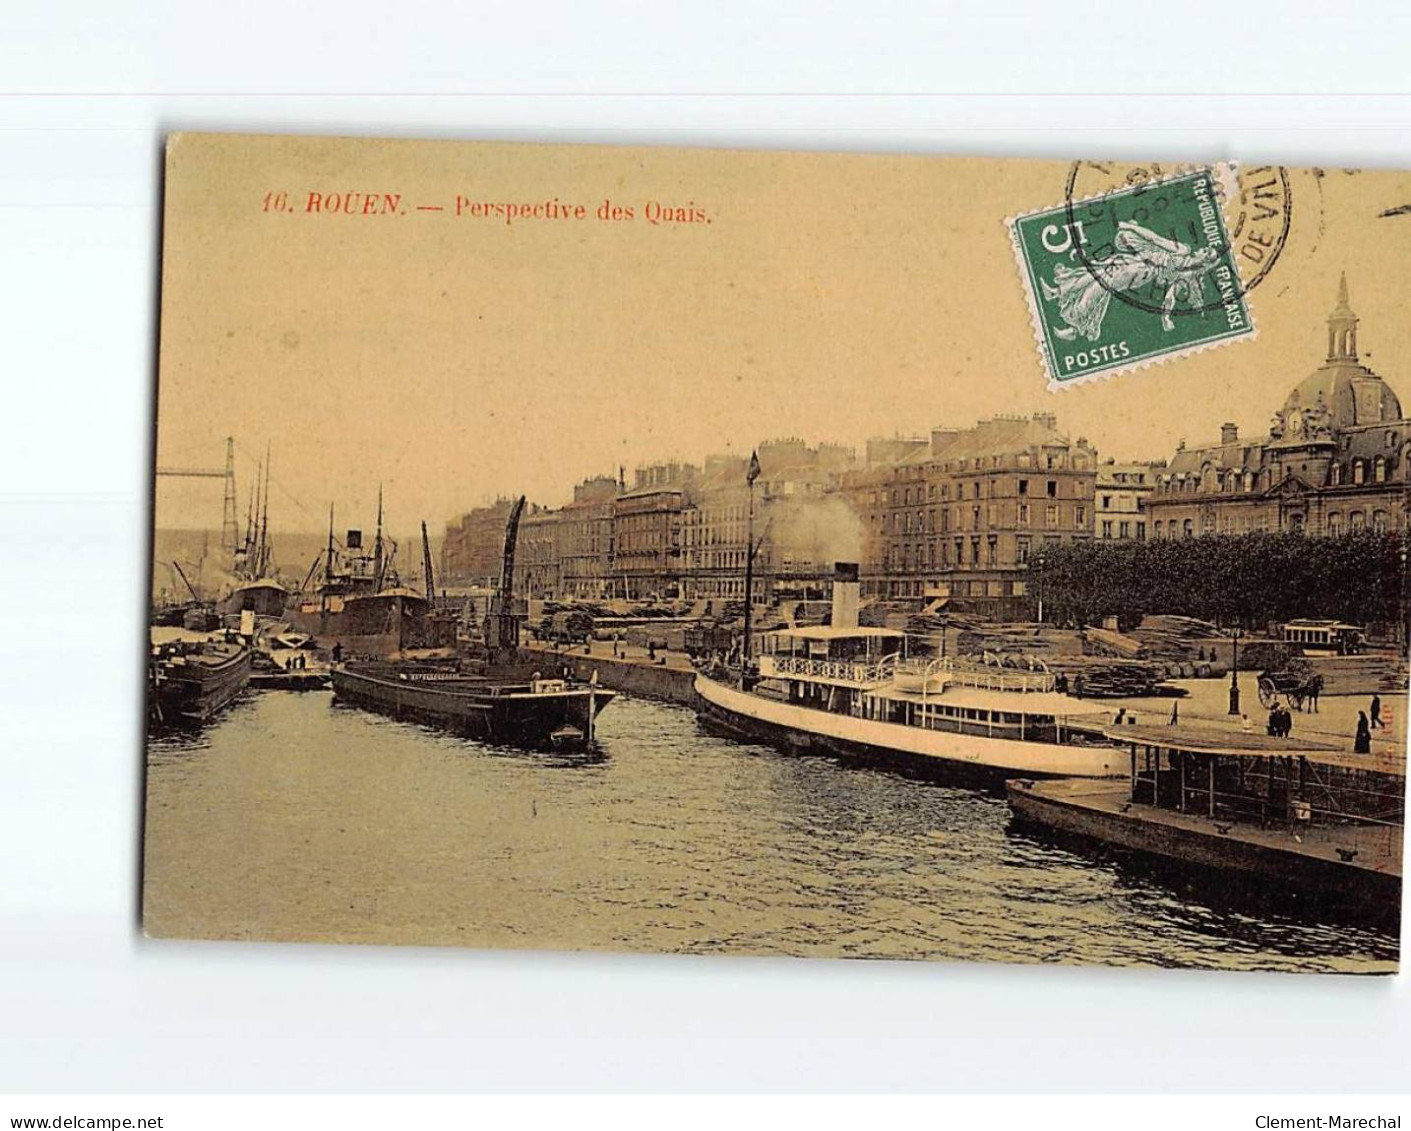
1244	581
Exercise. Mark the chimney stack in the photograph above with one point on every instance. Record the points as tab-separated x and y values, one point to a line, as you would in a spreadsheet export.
845	594
1229	433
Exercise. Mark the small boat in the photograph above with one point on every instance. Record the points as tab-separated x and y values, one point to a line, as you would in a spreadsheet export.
192	682
566	738
293	640
538	713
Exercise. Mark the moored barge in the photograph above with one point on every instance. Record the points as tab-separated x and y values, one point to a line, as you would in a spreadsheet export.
534	713
191	683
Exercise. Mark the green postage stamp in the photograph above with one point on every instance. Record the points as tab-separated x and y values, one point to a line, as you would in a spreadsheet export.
1131	277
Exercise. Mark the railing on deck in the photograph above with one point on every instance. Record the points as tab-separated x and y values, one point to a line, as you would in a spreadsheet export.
946	671
859	672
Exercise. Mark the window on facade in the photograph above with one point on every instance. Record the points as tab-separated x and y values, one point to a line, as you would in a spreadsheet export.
1051	516
1380	522
1023	514
1334	524
1080	516
1124	530
1021	550
1359	472
1357	520
1107	528
1188	529
1107	502
1053	488
1379	470
1023	486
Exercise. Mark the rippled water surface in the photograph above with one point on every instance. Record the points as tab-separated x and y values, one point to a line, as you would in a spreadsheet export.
295	818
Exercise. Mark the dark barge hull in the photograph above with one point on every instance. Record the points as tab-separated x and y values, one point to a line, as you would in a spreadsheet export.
194	693
509	714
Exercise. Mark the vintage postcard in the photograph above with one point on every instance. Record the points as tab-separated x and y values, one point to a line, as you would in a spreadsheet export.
574	547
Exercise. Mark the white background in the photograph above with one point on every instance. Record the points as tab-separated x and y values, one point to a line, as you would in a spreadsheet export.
86	93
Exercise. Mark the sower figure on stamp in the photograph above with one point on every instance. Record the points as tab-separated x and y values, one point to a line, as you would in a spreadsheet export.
1142	257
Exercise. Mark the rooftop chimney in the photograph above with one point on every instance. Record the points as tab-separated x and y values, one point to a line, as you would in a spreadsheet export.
845	594
1229	433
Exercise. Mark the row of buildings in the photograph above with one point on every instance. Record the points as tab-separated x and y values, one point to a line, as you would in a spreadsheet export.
958	515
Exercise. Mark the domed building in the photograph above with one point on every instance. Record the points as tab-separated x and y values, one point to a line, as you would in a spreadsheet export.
1336	458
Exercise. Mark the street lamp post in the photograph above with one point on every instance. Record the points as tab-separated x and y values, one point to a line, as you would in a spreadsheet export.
746	681
1234	675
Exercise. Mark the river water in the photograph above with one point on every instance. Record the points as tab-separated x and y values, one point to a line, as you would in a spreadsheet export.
293	817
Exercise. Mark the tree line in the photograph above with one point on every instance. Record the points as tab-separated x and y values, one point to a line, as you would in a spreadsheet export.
1248	581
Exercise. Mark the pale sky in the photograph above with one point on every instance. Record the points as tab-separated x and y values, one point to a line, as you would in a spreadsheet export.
829	297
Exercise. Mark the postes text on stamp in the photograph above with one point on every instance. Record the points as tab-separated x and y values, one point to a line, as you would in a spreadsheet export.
1131	277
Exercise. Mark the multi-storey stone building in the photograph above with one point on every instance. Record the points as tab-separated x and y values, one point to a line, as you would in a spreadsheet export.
539	553
646	531
1336	458
961	517
1119	498
473	549
794	523
585	539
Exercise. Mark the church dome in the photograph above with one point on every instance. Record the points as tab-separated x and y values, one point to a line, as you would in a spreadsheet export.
1342	390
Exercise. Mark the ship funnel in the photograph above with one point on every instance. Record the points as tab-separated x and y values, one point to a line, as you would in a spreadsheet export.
845	594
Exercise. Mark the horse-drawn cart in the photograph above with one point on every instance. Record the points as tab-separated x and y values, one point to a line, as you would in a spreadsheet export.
1296	682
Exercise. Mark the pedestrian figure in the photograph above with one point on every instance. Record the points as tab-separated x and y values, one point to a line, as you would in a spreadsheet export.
1274	721
1315	687
338	653
1245	724
1377	711
1175	712
652	651
1078	686
1121	716
1285	723
1362	744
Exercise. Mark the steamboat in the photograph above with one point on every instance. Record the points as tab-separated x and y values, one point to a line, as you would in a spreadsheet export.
846	689
362	608
482	694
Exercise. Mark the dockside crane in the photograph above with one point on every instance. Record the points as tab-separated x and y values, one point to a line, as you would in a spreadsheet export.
426	564
503	620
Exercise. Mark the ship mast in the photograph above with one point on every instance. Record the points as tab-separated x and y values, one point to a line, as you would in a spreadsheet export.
377	560
263	561
327	564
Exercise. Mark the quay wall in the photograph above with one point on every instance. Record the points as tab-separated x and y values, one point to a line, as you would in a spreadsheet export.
1134	830
635	677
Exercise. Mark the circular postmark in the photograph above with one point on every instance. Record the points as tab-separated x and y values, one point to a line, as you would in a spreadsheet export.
1257	218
